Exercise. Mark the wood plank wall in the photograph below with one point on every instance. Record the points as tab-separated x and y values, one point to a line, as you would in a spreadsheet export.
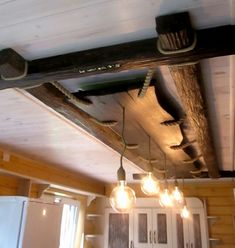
218	195
220	202
8	185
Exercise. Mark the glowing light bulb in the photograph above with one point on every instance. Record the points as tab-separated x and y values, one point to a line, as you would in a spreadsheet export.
165	199
122	198
44	212
150	185
178	196
185	212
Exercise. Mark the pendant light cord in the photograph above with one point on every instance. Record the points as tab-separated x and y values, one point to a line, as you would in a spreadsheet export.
150	156
166	183
123	138
121	174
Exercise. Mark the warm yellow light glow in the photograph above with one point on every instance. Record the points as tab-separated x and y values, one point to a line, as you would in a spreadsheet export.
44	212
178	196
122	198
185	212
150	185
166	199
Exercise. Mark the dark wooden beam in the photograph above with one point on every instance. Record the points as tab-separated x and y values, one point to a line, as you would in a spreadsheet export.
175	32
11	64
212	42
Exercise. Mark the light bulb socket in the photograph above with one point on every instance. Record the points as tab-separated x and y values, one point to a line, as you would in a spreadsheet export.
121	174
165	184
176	183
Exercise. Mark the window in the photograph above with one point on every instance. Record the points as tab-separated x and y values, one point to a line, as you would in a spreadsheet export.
68	226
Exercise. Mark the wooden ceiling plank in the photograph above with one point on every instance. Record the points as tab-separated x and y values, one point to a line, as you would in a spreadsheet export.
30	169
175	33
211	42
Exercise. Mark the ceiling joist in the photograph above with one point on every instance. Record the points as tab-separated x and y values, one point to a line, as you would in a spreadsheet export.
211	42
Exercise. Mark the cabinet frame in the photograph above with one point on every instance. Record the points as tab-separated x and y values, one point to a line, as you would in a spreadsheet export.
151	207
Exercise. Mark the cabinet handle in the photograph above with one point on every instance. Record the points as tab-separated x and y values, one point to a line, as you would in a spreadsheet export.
150	237
186	245
155	237
132	245
191	245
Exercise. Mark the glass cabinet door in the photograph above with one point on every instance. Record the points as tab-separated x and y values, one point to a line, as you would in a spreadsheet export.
143	235
197	229
180	231
118	230
162	235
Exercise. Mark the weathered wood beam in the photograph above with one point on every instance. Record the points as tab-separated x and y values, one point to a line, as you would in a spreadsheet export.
175	32
212	42
51	174
53	98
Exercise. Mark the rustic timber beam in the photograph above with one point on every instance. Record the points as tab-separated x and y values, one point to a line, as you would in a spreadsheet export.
54	99
211	42
175	33
29	169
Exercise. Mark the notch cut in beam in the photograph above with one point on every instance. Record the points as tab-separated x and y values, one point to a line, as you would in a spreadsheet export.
211	42
30	169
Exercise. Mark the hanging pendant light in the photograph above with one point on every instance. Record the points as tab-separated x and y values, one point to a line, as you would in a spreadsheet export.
122	198
150	184
165	197
185	212
177	194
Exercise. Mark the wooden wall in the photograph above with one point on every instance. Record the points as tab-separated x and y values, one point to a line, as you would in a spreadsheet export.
220	202
8	185
217	194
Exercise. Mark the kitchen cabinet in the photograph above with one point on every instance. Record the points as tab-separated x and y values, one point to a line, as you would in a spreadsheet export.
150	226
191	232
119	229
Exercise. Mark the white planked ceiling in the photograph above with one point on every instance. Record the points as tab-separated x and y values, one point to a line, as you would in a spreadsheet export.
41	28
29	127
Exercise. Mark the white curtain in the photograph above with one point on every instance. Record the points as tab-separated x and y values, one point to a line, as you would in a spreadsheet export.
68	226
